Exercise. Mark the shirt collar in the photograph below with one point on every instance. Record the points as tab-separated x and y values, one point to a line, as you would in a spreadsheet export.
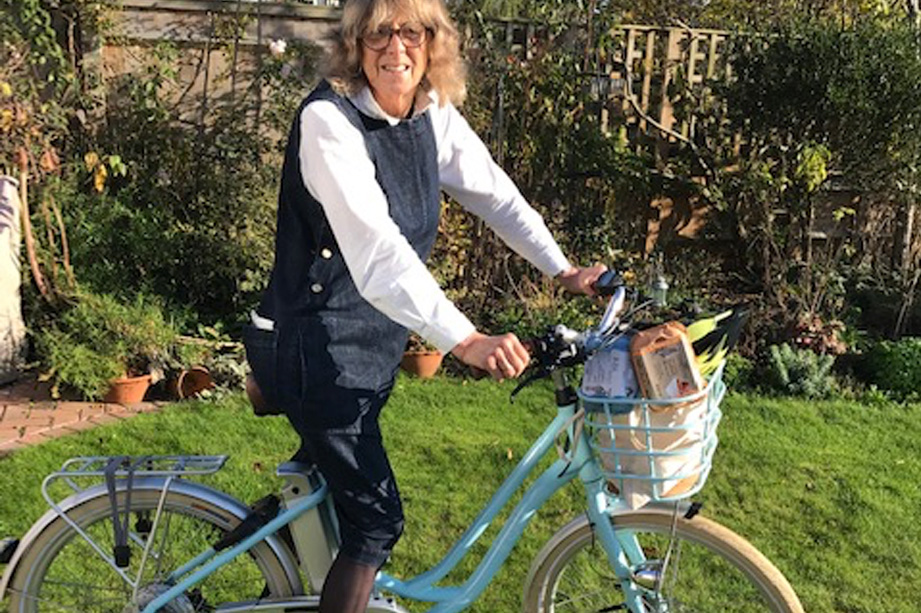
365	102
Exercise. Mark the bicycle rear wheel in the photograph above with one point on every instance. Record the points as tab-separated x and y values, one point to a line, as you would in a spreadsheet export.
61	572
710	569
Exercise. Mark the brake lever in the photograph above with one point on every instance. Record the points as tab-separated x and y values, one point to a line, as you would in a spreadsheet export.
536	375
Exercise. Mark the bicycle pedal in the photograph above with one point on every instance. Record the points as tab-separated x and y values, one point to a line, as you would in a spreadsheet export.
7	549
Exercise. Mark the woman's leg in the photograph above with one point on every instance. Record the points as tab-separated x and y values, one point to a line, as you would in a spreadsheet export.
368	508
348	587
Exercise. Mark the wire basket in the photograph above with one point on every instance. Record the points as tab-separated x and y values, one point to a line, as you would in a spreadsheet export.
655	450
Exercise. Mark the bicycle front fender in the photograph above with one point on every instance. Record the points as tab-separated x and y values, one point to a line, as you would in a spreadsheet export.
565	533
230	505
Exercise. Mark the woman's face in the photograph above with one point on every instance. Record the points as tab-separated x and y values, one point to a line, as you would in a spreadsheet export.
395	71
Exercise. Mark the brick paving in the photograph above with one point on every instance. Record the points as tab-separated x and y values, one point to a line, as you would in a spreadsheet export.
28	414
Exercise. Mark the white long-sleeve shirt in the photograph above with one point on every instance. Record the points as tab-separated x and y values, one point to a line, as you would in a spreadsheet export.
337	171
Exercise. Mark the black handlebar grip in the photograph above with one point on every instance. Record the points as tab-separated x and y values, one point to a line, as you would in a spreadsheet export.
608	283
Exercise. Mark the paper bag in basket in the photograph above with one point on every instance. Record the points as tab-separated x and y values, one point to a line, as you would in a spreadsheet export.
665	367
686	445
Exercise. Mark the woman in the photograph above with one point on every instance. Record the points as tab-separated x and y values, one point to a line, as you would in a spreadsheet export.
368	155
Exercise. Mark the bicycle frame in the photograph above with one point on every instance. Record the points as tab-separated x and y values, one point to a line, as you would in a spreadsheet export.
581	463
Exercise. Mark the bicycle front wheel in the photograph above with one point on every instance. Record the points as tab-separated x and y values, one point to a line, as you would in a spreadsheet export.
710	568
61	572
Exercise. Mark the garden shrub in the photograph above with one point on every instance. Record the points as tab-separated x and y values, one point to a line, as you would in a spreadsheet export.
192	220
541	118
185	210
894	366
739	372
98	338
799	372
818	106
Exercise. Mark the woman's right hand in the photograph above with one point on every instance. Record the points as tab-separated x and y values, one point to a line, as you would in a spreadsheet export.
501	356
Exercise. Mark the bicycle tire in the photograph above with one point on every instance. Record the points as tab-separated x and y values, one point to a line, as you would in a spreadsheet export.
61	572
572	573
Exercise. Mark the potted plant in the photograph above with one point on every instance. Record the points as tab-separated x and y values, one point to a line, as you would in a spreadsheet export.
104	348
420	358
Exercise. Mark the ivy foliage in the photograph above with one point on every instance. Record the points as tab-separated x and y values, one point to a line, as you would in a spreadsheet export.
895	366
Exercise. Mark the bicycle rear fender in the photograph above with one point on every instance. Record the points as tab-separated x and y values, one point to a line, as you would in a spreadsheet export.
225	502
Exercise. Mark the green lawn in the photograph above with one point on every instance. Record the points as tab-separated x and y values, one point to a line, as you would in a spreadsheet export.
828	490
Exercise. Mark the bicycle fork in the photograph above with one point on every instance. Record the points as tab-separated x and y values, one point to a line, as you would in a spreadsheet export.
641	580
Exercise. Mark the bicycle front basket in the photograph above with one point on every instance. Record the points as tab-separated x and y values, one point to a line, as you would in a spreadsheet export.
655	450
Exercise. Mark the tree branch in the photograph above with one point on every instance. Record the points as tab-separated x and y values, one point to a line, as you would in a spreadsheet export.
27	224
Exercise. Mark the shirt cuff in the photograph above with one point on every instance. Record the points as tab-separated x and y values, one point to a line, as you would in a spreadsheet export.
453	328
550	260
558	266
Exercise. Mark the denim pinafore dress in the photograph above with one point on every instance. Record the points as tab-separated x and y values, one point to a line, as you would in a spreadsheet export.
332	358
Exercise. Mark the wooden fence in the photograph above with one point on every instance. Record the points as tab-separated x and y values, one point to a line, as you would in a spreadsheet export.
634	87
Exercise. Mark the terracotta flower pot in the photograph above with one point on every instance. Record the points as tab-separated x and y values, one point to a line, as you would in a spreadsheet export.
127	390
190	382
423	364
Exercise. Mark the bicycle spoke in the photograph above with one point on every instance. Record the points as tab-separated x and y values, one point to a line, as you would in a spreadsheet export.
71	576
55	607
679	568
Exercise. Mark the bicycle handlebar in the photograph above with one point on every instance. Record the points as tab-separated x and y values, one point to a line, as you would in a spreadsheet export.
563	347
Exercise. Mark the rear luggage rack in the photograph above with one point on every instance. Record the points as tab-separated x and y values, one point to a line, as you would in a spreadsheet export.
85	471
121	473
143	466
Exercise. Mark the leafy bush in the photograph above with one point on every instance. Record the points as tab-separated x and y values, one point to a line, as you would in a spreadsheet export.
192	218
543	309
739	372
894	366
98	338
800	372
541	117
820	105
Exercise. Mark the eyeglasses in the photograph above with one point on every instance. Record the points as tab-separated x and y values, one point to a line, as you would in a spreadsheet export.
412	35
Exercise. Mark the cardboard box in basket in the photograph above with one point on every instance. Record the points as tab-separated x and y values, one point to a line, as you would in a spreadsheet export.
664	362
665	367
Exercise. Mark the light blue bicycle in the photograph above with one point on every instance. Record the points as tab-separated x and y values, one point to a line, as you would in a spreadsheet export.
142	537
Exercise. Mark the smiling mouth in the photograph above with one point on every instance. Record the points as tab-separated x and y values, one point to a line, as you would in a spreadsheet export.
395	68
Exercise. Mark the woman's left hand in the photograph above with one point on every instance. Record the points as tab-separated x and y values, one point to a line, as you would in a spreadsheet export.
578	280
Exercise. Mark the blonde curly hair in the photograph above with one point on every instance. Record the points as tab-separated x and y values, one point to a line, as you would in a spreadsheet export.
445	72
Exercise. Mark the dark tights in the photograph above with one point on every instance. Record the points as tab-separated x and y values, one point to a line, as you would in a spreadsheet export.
348	587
